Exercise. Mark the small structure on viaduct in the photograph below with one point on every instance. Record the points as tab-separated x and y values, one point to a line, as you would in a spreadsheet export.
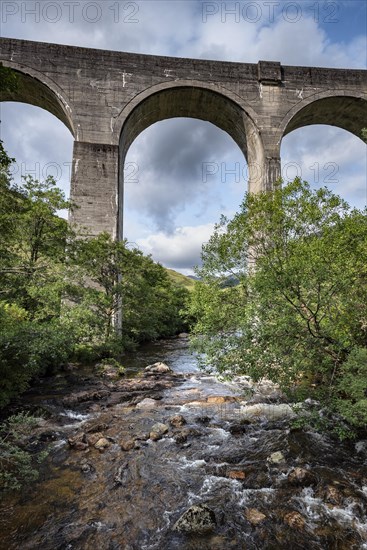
108	98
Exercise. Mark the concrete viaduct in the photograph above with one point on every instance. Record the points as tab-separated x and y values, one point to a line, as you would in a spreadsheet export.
107	98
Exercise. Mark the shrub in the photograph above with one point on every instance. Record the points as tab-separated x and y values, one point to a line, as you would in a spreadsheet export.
351	398
17	466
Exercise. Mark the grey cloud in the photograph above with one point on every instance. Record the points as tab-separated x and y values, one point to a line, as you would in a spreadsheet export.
40	143
181	250
170	157
125	26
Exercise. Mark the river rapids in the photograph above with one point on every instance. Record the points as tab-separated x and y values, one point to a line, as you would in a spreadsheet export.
181	460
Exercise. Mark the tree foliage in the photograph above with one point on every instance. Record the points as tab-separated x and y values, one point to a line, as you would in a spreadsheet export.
131	297
17	465
33	246
300	308
61	293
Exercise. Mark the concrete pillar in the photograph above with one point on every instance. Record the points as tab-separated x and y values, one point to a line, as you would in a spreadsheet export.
94	187
272	172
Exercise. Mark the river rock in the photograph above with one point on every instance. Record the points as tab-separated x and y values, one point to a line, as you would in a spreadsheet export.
147	403
86	467
142	436
198	519
220	399
302	477
127	444
102	444
157	431
80	446
83	396
181	437
266	411
272	397
236	474
91	427
94	437
276	458
183	335
78	442
158	368
295	520
333	495
254	516
177	420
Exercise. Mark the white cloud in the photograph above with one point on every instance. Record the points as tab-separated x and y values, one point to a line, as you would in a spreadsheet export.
181	250
300	43
328	156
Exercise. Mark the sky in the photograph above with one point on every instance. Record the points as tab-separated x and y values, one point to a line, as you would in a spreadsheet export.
171	205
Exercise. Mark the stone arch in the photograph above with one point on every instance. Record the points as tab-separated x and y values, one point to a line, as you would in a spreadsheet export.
190	100
345	110
37	89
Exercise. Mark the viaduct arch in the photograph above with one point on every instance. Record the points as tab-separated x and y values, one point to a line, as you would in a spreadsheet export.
108	98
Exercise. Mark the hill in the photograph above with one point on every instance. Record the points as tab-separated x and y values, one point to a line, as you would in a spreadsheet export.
181	280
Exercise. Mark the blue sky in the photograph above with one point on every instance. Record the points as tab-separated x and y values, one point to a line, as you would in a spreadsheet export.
170	208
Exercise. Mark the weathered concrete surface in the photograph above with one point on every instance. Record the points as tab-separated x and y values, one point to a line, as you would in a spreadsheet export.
108	98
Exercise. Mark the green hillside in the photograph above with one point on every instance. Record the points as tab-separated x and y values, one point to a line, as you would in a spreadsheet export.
181	280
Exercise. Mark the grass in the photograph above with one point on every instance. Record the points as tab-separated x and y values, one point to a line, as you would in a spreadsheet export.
181	280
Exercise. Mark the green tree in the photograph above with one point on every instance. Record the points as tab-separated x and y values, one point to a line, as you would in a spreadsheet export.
17	465
131	297
303	308
32	280
30	271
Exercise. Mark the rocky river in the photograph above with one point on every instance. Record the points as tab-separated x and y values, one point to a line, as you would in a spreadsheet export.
173	458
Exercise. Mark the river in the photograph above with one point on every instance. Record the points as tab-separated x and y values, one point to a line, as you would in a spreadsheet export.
226	471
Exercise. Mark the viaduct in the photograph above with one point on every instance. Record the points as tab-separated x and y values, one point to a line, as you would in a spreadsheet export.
107	98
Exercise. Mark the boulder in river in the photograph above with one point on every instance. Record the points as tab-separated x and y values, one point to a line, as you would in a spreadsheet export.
157	431
80	446
102	444
84	396
177	420
302	477
127	444
266	411
333	495
276	458
147	403
76	439
254	516
158	368
295	519
236	474
220	399
181	437
198	519
94	437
